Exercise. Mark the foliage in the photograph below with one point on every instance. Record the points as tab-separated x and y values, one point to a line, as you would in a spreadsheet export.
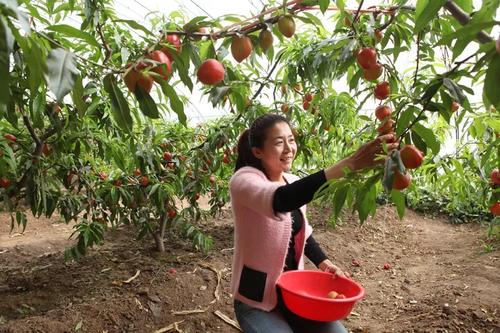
93	150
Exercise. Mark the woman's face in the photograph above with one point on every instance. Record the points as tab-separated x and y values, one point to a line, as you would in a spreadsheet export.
279	149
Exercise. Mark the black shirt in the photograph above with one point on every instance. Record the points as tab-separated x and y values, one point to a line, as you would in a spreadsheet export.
289	198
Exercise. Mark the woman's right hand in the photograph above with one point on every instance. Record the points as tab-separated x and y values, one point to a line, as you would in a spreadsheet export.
368	155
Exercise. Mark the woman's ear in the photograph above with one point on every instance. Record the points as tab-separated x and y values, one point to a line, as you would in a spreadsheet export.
257	152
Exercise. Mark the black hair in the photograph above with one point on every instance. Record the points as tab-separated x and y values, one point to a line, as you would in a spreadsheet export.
255	137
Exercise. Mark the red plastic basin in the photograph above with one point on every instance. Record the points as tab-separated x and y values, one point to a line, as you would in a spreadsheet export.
305	294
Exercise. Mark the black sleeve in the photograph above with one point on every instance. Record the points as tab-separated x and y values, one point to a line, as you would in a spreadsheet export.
297	194
314	252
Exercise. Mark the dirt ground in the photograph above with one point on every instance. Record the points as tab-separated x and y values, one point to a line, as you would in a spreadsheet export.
440	280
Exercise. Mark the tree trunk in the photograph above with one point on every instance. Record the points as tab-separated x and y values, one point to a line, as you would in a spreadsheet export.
160	234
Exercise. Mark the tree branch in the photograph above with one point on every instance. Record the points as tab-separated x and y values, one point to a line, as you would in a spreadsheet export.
418	58
463	18
107	49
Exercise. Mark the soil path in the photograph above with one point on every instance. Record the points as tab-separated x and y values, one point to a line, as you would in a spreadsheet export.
440	278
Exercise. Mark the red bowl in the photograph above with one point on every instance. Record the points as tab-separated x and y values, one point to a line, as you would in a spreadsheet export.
305	294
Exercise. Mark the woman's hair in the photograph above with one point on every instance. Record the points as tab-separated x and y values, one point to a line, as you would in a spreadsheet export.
255	137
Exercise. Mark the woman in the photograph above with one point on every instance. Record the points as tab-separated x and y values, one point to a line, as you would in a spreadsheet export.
271	231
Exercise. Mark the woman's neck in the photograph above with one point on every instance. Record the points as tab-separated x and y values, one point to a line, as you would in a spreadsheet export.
277	177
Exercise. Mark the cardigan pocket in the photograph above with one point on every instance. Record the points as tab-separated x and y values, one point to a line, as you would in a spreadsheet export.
252	284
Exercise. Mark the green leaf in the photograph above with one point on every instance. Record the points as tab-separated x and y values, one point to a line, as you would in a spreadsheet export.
339	199
366	202
454	90
323	5
468	32
399	200
340	4
491	89
119	105
310	19
37	66
61	67
75	33
426	10
432	89
77	96
135	25
183	70
428	136
4	63
50	6
466	5
218	93
38	109
146	103
175	102
405	118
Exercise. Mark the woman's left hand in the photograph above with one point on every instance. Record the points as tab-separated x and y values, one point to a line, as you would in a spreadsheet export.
329	267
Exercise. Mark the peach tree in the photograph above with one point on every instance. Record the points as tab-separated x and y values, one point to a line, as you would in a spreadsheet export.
86	112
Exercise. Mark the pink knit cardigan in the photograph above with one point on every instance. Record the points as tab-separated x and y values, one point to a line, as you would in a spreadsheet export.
261	237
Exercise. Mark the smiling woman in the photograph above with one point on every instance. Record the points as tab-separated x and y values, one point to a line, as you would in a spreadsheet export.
272	233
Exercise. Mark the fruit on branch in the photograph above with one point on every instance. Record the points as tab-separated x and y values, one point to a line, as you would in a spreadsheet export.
367	57
382	90
175	41
135	77
10	137
47	149
378	35
286	25
495	177
137	172
167	156
265	39
306	105
495	209
454	106
162	59
411	156
386	127
211	72
4	182
374	72
401	181
308	97
241	47
144	181
382	112
172	213
285	108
